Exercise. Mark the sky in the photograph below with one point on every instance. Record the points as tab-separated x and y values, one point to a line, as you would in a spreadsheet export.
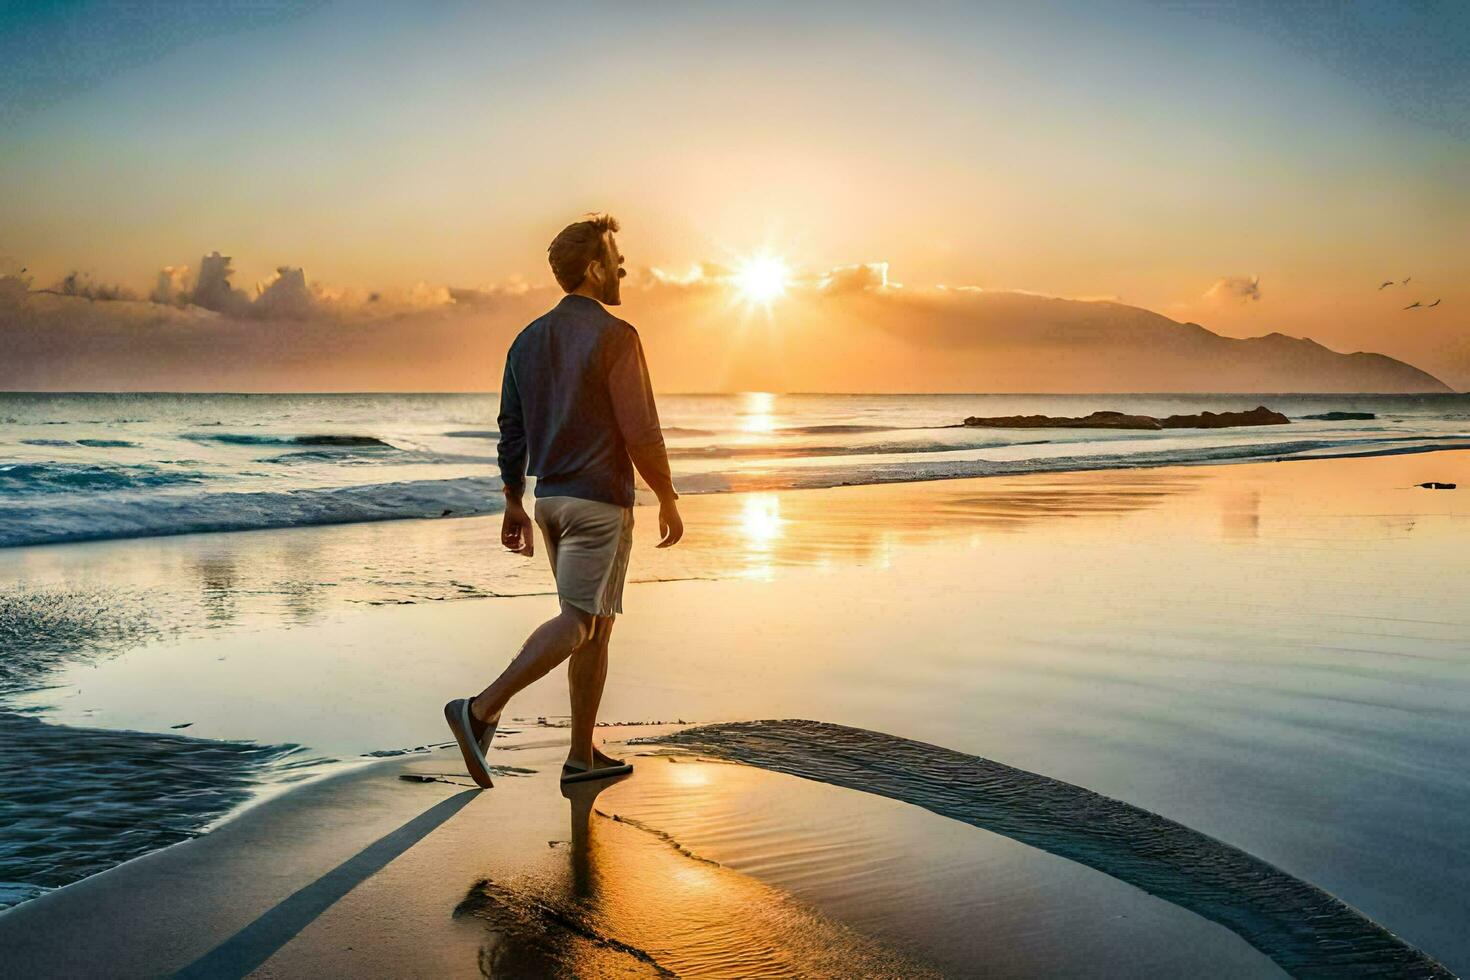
1252	167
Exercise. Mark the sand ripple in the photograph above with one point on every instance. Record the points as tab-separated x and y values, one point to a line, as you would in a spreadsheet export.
1302	928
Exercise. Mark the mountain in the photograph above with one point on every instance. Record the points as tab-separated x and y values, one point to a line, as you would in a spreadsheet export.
1009	341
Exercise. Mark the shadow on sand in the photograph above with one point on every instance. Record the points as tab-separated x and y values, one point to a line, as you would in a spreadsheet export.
253	945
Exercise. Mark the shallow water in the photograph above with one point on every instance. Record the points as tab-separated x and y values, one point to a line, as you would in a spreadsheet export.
1302	929
1273	655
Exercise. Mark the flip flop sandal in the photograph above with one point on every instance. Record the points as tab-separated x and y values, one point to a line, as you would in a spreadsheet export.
572	772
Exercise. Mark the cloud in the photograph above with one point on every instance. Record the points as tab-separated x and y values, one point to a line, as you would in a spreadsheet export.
81	284
837	281
286	297
173	286
864	278
850	328
488	297
289	295
1235	288
293	335
14	287
699	276
213	291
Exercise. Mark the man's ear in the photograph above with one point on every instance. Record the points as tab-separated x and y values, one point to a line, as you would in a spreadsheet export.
592	266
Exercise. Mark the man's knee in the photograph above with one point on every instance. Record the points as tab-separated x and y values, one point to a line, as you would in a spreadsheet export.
581	621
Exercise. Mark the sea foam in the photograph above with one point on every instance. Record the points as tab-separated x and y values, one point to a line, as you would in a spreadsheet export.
84	517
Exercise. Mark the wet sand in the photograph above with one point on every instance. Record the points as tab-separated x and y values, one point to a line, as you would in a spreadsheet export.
365	874
1269	654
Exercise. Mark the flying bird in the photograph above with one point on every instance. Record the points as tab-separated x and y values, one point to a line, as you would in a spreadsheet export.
1432	305
1412	305
1385	283
1406	280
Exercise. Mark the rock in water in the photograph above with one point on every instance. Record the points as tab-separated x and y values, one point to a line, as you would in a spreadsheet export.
1260	415
1097	420
1118	420
1341	416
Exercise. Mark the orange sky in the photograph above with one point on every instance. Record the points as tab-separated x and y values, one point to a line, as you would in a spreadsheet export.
1121	150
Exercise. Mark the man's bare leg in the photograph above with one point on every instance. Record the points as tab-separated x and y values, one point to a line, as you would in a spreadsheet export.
586	675
551	643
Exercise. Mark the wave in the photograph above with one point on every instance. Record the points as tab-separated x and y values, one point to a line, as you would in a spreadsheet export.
857	428
918	471
676	430
102	516
55	503
12	420
366	454
1303	929
770	451
245	439
473	434
66	477
373	456
813	430
90	443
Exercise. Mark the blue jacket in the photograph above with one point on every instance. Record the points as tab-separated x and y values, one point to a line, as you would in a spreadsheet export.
575	402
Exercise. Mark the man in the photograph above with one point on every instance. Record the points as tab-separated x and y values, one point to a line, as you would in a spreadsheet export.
577	413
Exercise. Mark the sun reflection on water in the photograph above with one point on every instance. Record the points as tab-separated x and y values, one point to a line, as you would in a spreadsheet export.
688	775
761	527
756	412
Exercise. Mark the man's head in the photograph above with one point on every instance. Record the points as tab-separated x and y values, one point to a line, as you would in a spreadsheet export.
585	259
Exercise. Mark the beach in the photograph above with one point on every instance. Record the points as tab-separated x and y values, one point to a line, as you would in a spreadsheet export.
997	474
378	876
1268	654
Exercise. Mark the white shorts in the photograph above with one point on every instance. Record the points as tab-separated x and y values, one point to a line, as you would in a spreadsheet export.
588	542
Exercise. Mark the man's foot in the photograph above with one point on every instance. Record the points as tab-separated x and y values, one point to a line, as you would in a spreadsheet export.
602	766
484	730
600	760
473	737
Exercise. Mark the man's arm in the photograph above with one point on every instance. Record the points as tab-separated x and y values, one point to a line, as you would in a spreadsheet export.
637	417
517	531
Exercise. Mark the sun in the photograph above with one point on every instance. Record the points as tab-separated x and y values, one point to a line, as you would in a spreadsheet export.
761	279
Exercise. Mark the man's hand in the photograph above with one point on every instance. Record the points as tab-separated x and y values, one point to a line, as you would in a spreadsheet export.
670	524
517	530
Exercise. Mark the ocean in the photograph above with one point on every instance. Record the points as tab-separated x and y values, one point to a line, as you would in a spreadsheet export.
1154	635
79	467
